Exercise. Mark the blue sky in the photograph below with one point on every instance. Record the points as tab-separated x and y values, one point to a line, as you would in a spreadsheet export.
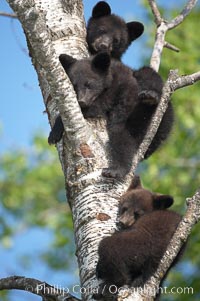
21	100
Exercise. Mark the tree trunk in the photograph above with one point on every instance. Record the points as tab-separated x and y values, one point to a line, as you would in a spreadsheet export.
53	28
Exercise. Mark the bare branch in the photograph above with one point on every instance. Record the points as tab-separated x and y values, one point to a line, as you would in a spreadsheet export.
173	83
185	12
171	47
158	19
3	14
191	217
36	287
184	80
158	46
162	28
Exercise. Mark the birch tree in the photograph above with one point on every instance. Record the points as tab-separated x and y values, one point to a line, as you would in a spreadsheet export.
56	27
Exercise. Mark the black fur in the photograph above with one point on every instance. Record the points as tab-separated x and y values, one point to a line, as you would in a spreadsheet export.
131	257
108	32
107	88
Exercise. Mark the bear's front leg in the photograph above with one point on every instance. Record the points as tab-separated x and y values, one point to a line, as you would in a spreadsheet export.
150	85
121	150
149	97
56	132
105	291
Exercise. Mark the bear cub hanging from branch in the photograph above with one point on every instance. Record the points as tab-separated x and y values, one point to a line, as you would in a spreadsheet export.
106	88
131	256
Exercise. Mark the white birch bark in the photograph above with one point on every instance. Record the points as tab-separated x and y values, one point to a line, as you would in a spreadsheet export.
55	27
52	28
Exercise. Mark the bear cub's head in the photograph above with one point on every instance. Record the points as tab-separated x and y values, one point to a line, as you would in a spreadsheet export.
138	201
108	32
90	77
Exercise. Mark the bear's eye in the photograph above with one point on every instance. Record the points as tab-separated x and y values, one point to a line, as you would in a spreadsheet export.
136	215
123	210
101	31
116	41
75	87
88	85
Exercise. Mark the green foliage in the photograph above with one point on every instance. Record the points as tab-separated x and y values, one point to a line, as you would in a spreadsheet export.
175	168
32	194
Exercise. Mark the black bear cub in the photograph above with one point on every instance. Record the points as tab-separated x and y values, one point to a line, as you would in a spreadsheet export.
108	32
131	256
107	88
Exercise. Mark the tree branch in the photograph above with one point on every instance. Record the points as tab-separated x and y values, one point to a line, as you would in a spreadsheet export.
171	47
185	12
162	27
93	198
158	19
191	217
3	14
34	286
184	80
173	83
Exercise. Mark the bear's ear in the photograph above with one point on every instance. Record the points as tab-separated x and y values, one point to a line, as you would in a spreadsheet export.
101	62
101	9
162	201
136	183
135	29
66	61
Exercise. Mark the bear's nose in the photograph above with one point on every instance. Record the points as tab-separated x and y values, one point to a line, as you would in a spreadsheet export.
103	46
120	225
